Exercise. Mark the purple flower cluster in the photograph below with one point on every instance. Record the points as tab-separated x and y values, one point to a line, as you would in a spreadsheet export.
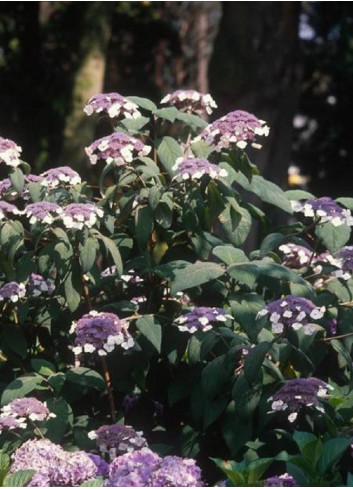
292	312
54	466
6	208
284	480
118	148
295	256
8	423
236	128
102	332
37	285
113	104
44	212
195	168
101	465
117	439
78	216
9	152
324	210
143	468
5	186
12	291
344	259
298	393
27	407
201	319
190	101
63	175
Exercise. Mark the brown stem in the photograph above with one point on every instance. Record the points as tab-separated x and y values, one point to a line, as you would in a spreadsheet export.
338	337
109	388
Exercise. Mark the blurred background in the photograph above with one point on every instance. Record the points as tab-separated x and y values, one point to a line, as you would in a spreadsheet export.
289	63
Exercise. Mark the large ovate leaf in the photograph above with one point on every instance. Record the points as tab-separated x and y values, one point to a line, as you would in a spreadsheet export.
21	386
86	377
168	152
19	479
332	451
88	251
194	275
333	237
150	329
229	254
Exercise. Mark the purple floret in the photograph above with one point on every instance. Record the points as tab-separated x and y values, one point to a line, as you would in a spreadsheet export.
201	318
195	168
113	104
190	101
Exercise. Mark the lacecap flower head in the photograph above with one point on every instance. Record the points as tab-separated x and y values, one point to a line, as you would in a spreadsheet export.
324	210
295	256
7	209
118	148
12	291
292	312
284	480
117	439
44	212
190	101
61	176
201	319
78	216
27	408
37	285
113	104
9	152
299	393
237	128
196	168
100	332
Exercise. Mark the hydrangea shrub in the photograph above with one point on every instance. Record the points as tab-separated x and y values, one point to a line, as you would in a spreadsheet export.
142	342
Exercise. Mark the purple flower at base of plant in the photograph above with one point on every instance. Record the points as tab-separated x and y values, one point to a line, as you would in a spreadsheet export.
292	312
37	285
53	465
44	212
27	407
284	480
190	101
100	463
5	186
196	168
6	208
133	469
117	148
8	423
299	393
9	152
12	291
78	216
101	332
113	104
236	128
201	319
63	175
117	439
324	210
143	468
295	256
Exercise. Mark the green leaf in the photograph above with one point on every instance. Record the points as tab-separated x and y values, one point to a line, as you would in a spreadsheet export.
333	237
19	478
201	149
168	113
229	254
36	191
43	367
135	125
88	253
4	460
191	120
144	103
15	340
254	361
17	179
143	226
194	275
114	252
150	329
168	152
97	482
246	396
56	427
164	215
73	288
212	411
302	438
267	191
298	195
86	377
236	431
245	273
57	381
21	387
271	242
332	451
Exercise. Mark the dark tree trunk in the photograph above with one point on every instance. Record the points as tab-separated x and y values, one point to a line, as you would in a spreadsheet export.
256	67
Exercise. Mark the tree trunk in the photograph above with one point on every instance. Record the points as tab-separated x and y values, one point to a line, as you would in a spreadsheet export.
255	67
89	79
